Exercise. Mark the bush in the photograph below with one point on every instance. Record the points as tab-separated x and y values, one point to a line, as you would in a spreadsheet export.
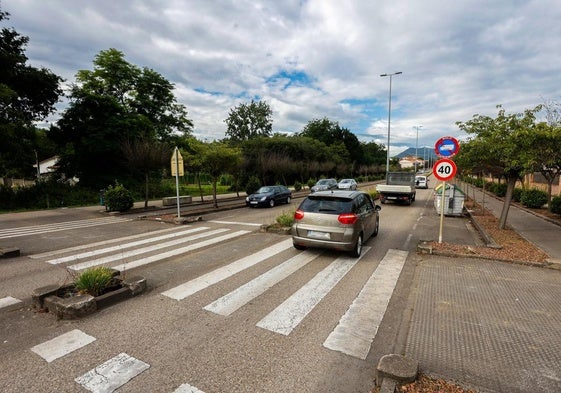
286	219
252	185
374	194
555	205
311	182
93	281
118	198
533	198
297	186
500	189
517	194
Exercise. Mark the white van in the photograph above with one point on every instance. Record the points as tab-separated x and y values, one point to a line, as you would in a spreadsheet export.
421	182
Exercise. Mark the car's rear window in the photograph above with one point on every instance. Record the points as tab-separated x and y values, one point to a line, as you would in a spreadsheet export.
326	205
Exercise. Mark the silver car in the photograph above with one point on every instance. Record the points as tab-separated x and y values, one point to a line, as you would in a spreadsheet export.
338	220
347	184
324	184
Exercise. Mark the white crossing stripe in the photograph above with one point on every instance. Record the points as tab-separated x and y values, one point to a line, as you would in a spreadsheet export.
92	253
189	288
358	327
147	260
61	226
239	297
112	374
293	310
63	345
99	244
252	224
186	388
8	301
131	253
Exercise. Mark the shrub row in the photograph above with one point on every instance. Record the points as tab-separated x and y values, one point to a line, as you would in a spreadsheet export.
533	198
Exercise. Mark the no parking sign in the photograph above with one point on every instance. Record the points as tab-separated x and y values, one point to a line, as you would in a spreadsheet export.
446	147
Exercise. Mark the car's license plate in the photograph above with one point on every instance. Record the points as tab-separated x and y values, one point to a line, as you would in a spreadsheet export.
391	198
253	202
319	235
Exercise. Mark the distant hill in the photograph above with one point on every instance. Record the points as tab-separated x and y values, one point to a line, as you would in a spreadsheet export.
422	152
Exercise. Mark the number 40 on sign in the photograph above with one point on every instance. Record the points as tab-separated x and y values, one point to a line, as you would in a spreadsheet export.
444	169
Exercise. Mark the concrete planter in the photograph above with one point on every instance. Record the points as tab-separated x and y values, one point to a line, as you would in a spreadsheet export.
66	303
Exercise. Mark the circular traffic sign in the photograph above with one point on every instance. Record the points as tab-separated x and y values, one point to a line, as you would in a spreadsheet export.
444	169
446	146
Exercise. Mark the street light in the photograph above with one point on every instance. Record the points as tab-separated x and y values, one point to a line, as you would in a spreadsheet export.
417	147
389	120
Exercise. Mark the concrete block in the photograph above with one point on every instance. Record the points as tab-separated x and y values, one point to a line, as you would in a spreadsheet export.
398	368
9	252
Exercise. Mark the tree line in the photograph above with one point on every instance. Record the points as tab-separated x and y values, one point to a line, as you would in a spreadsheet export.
508	146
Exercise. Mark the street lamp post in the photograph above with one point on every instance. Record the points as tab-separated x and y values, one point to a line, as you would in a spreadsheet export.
389	120
417	147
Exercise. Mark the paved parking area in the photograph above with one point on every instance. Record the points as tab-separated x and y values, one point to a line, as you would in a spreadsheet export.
495	326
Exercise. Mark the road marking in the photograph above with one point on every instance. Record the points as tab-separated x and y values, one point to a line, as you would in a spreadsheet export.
98	244
239	297
8	301
61	226
120	247
112	374
236	223
293	310
145	261
189	288
358	327
186	388
62	345
144	250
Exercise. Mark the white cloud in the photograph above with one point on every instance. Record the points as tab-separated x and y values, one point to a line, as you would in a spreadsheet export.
458	58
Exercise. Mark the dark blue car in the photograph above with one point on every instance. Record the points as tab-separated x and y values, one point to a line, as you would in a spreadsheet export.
269	196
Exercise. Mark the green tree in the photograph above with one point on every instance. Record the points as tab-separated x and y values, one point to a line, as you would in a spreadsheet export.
543	153
192	150
218	159
498	144
247	121
27	95
330	132
146	156
109	105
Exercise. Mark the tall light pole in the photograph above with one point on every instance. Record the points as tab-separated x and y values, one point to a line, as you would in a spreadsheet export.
389	120
417	147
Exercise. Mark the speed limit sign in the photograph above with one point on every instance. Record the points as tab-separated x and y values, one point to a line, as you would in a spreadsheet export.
444	169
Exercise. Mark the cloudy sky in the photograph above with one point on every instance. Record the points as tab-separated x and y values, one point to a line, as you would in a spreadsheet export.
311	59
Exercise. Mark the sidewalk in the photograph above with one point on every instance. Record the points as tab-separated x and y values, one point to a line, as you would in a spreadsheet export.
539	231
491	326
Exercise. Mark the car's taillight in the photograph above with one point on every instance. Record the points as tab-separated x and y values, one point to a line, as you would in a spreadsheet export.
298	215
347	219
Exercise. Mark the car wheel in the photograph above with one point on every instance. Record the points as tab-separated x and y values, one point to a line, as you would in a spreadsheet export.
358	247
272	203
288	199
299	247
376	228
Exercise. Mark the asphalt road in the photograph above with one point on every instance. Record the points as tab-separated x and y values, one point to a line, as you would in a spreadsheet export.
187	331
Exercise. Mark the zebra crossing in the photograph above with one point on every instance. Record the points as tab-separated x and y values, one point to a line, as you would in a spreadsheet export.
353	335
59	226
137	250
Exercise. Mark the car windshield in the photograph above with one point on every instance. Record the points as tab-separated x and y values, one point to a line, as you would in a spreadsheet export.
326	205
322	182
264	190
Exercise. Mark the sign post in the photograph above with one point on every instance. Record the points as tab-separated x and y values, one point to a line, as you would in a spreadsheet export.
445	169
177	170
